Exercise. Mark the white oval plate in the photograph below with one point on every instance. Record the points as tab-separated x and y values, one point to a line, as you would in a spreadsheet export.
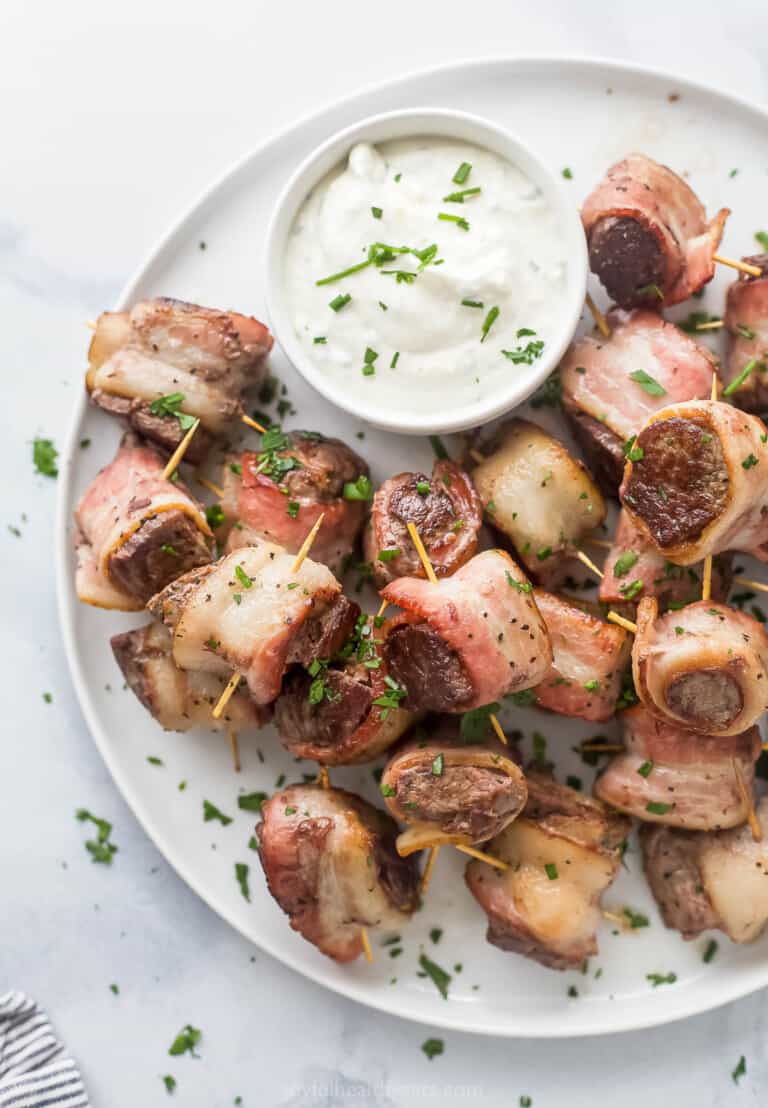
576	113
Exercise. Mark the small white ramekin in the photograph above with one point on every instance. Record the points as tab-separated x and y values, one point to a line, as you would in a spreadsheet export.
404	124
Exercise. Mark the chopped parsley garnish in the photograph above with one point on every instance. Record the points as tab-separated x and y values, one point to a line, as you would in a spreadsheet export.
632	452
475	724
241	876
710	951
645	769
458	197
657	808
84	444
740	1070
524	698
647	383
48	697
319	340
391	698
422	488
339	301
361	489
386	790
574	782
694	320
593	685
650	290
459	220
211	812
749	461
567	174
154	760
439	976
44	455
521	586
539	748
543	553
762	238
657	979
438	446
525	355
293	508
243	577
738	381
488	322
744	331
389	554
631	589
100	848
214	514
170	1083
433	1047
170	405
551	871
376	212
186	1041
236	468
395	358
636	919
251	802
473	303
438	764
436	934
462	173
624	563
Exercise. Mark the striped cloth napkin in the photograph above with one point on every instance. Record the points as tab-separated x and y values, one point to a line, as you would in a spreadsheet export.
35	1070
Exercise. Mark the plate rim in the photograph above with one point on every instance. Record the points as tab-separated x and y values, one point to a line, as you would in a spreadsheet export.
354	989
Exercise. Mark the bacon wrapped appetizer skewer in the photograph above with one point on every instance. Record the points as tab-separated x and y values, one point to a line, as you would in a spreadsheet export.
562	854
634	569
447	789
330	863
178	699
252	613
680	778
697	482
704	667
164	358
469	639
346	710
279	492
589	660
710	879
648	236
446	512
538	496
746	328
135	531
612	386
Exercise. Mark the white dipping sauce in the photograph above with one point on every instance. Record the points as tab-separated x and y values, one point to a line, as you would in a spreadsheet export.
512	258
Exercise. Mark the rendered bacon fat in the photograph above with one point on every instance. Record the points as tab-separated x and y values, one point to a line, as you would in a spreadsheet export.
163	348
251	613
715	879
343	710
589	658
679	778
704	667
606	406
562	854
178	699
331	865
537	495
701	484
634	568
448	788
278	494
648	236
446	512
746	323
467	640
135	531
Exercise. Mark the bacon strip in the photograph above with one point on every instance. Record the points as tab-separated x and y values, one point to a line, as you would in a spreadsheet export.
679	778
330	863
163	346
666	209
589	658
746	328
562	854
121	499
704	667
700	486
486	615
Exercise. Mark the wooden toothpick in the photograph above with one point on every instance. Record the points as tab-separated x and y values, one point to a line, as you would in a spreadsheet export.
252	423
600	321
743	267
482	856
427	876
746	796
226	696
307	544
173	462
422	552
627	624
588	563
235	748
217	490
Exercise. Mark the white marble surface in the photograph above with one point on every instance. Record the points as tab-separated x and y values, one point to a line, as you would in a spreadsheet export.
113	118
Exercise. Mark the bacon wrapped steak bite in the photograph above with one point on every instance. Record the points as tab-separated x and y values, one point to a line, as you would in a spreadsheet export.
330	863
344	710
679	778
710	879
634	568
178	699
746	328
250	612
699	486
446	789
279	492
467	640
606	405
704	667
135	531
538	496
446	511
561	855
165	356
648	236
589	659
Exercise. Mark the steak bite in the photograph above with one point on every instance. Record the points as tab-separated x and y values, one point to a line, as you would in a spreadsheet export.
163	547
627	260
431	672
746	328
